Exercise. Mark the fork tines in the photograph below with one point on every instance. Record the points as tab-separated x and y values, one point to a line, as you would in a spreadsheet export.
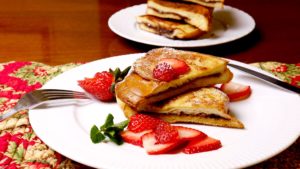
53	94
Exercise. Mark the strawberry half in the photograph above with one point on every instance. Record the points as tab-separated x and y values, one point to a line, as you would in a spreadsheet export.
186	133
164	72
141	122
152	147
168	69
134	138
102	85
202	145
236	91
99	85
179	66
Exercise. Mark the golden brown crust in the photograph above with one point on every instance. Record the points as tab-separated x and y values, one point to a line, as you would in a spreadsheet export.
183	6
168	28
208	100
207	3
213	121
200	64
139	92
194	14
182	118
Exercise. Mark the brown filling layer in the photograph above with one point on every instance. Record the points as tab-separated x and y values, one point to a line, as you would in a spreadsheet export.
159	30
204	115
172	13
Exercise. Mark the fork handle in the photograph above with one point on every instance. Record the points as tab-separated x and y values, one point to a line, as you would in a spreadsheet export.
11	112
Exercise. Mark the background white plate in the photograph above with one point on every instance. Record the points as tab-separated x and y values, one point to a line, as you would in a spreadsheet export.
270	115
228	24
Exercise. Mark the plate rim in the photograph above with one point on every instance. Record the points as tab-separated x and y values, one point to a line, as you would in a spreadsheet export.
291	141
183	43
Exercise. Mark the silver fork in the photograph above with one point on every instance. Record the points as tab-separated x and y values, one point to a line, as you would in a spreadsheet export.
38	97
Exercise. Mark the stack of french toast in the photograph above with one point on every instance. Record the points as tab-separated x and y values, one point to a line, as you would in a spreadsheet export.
179	19
189	97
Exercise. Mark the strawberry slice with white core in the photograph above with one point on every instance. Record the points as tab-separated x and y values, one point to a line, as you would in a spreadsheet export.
202	145
133	137
186	133
236	91
152	147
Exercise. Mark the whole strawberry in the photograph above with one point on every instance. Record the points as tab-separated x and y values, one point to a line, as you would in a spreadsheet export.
103	83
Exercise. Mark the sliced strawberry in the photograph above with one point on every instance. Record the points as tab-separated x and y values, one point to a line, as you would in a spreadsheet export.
133	138
202	145
152	147
179	66
141	122
186	133
236	91
164	72
165	133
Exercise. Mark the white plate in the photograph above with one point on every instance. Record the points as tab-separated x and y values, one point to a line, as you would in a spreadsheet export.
270	115
228	24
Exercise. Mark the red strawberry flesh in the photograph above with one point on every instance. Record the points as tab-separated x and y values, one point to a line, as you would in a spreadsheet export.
164	72
202	145
165	133
236	91
152	147
99	85
186	133
141	122
179	66
133	138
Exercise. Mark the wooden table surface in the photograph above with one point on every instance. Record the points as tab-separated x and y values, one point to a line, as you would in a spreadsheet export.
61	31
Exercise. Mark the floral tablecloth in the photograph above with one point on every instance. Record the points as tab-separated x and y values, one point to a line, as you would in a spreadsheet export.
20	147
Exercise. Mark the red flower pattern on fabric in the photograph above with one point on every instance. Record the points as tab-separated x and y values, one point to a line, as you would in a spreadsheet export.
16	79
13	66
40	71
281	68
295	80
7	105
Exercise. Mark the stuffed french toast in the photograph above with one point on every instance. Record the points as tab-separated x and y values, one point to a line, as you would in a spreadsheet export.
140	87
185	97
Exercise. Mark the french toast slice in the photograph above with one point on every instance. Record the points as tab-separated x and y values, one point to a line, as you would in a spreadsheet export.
207	3
200	65
139	88
168	28
194	14
139	92
208	106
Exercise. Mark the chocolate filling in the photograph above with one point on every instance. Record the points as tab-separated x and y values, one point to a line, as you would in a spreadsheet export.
159	30
161	12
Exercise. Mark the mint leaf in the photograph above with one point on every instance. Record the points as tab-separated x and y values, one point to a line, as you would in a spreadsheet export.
114	135
96	135
108	122
118	140
122	124
108	129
